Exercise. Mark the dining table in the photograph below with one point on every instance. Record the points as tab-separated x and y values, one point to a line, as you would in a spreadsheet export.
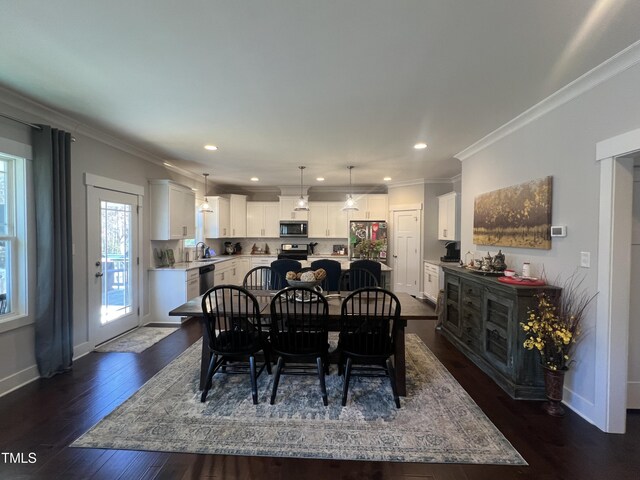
410	309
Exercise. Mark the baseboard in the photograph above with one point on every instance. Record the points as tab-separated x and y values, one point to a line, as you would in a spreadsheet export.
18	379
633	395
81	350
580	405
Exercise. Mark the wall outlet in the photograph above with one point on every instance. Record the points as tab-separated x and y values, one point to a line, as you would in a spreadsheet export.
585	259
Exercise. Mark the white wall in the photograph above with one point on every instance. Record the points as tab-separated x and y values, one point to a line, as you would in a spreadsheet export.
560	143
17	356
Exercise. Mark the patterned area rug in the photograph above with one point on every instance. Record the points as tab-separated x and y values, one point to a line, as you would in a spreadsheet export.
438	421
137	341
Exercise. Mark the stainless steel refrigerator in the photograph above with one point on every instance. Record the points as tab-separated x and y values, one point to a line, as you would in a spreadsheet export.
368	239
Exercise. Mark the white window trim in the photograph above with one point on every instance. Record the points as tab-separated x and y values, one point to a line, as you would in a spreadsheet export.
19	316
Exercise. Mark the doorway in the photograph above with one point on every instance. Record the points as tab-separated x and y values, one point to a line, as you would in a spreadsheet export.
113	263
406	251
616	158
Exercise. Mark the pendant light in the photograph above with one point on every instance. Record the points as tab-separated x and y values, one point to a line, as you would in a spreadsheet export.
301	205
205	207
350	203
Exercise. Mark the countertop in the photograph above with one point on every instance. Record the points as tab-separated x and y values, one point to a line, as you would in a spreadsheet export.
184	266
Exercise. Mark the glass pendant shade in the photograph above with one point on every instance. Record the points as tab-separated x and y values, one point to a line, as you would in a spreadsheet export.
350	203
204	206
301	204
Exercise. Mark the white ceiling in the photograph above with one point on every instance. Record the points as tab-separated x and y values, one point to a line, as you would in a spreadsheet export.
326	84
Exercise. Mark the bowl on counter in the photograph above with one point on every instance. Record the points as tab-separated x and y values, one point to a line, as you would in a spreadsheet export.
509	273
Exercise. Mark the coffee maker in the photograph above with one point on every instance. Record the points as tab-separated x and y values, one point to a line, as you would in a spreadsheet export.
453	253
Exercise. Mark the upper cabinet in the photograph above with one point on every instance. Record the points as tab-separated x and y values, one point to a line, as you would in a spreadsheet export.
327	220
263	219
173	211
287	206
371	207
449	217
216	222
238	215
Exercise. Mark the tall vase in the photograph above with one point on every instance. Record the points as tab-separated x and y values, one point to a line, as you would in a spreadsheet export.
553	386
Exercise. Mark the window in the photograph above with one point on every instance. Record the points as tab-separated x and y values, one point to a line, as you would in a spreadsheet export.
12	236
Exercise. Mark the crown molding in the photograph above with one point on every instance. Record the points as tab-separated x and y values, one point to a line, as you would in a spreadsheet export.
611	67
406	183
74	126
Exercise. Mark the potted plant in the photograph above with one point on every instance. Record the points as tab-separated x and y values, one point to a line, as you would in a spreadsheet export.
552	328
371	248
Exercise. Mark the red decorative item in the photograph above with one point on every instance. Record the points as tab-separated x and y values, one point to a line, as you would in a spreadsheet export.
522	282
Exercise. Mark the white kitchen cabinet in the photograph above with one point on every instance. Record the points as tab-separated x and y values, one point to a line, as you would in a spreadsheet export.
173	212
169	288
449	217
263	219
262	261
224	274
370	207
287	209
229	272
327	220
216	222
238	215
243	265
431	282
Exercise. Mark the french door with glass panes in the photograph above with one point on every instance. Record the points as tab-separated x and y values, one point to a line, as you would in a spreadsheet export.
112	234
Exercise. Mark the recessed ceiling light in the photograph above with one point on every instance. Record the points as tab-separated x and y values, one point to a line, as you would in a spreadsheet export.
386	179
210	147
420	146
320	179
255	179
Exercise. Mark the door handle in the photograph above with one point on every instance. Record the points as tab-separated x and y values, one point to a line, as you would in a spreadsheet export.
99	274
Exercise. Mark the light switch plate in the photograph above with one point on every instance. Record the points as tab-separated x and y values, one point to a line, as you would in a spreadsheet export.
585	259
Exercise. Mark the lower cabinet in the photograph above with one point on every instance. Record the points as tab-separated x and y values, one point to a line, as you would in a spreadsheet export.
168	289
431	277
482	319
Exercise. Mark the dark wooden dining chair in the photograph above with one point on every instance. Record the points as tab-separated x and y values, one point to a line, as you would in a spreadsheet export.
368	325
333	268
258	278
374	267
356	278
299	335
234	331
279	269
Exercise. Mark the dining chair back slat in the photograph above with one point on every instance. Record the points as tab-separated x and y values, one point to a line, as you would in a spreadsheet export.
355	278
299	333
369	324
234	333
258	278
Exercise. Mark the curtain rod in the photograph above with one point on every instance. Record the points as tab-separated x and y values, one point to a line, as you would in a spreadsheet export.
37	127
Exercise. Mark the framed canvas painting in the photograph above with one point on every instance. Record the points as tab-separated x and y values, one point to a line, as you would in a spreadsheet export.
516	216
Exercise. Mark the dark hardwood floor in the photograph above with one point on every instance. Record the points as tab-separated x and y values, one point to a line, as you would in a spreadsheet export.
45	416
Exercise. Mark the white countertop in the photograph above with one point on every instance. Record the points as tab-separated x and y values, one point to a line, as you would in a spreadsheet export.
184	266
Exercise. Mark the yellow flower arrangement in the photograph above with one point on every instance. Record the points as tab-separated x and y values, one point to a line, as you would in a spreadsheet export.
554	324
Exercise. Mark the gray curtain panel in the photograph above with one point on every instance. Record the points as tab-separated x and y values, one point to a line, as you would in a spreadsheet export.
53	255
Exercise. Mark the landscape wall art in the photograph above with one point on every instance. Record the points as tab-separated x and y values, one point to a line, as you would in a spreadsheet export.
517	216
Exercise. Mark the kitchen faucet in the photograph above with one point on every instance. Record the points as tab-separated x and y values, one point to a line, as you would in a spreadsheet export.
205	250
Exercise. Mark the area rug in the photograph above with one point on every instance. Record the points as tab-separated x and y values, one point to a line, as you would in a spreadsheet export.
438	421
137	341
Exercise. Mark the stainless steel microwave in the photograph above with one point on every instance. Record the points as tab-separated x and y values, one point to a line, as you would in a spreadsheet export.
294	229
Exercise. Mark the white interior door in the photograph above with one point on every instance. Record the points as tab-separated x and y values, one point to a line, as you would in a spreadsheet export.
406	251
112	235
633	385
